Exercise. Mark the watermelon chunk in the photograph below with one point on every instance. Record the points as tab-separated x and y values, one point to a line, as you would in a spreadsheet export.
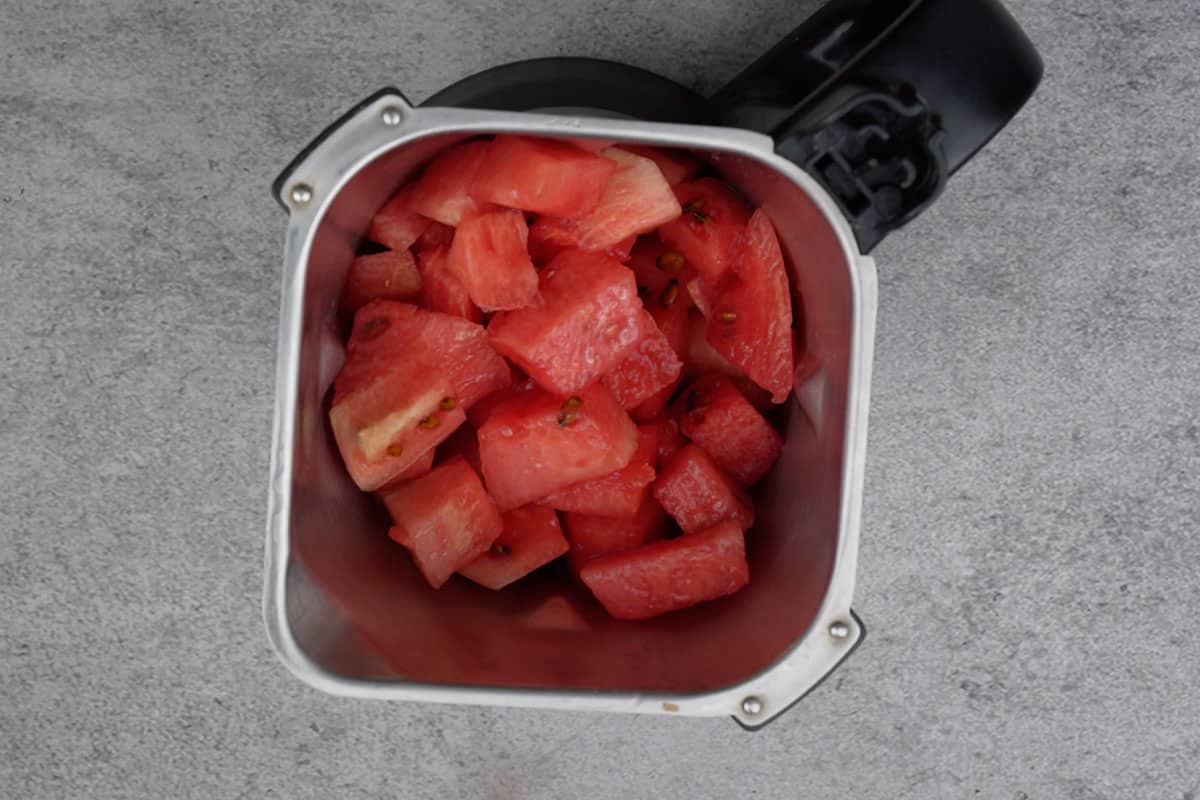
532	538
480	411
662	274
388	414
542	176
620	493
650	368
670	439
637	199
436	235
673	322
443	192
702	357
693	490
422	465
676	165
445	519
588	321
390	275
592	535
751	322
397	225
547	241
390	332
716	416
441	290
709	231
537	443
491	259
667	576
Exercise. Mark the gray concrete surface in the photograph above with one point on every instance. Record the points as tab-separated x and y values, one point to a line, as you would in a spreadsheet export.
1030	551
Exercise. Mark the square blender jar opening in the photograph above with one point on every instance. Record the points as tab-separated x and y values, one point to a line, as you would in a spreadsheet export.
358	609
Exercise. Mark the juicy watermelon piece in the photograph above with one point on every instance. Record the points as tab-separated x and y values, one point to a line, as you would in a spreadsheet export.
391	275
751	322
445	519
667	576
698	495
443	192
542	176
637	199
662	274
650	367
537	443
436	235
491	258
386	332
702	357
716	416
397	225
588	321
383	424
592	535
670	440
421	466
547	241
620	493
480	411
709	231
441	290
676	165
673	322
531	538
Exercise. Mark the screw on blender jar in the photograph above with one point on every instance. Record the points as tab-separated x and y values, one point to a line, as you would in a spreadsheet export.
301	194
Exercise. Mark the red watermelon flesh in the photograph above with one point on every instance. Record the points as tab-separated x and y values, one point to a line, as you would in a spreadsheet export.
538	443
620	493
445	519
587	322
464	444
542	176
716	416
592	535
443	192
532	538
441	290
480	411
694	490
390	275
436	235
751	322
637	199
662	274
546	241
670	575
709	231
651	367
673	322
421	466
670	440
490	257
676	165
397	225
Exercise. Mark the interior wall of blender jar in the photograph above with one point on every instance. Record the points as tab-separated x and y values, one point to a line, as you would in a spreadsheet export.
385	622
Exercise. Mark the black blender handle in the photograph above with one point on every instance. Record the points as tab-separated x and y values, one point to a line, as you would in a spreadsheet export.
882	100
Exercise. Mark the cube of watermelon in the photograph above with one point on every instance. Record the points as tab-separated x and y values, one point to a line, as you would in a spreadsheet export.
478	413
388	331
391	416
670	440
543	176
708	232
751	321
592	535
694	490
637	199
390	275
436	235
667	576
443	192
532	538
662	274
445	519
675	164
588	321
650	368
538	443
620	493
441	290
491	257
397	225
673	322
716	416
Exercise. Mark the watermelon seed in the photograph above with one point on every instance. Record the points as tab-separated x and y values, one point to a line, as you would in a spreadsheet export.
695	208
643	292
670	262
448	404
373	327
395	450
727	316
501	549
670	294
569	414
430	422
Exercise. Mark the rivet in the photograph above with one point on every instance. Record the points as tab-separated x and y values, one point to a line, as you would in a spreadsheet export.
839	630
752	706
301	193
391	116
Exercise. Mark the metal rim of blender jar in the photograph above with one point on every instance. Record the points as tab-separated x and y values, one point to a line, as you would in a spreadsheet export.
387	120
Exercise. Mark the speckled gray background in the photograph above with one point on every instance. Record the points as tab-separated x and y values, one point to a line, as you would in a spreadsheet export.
1029	563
